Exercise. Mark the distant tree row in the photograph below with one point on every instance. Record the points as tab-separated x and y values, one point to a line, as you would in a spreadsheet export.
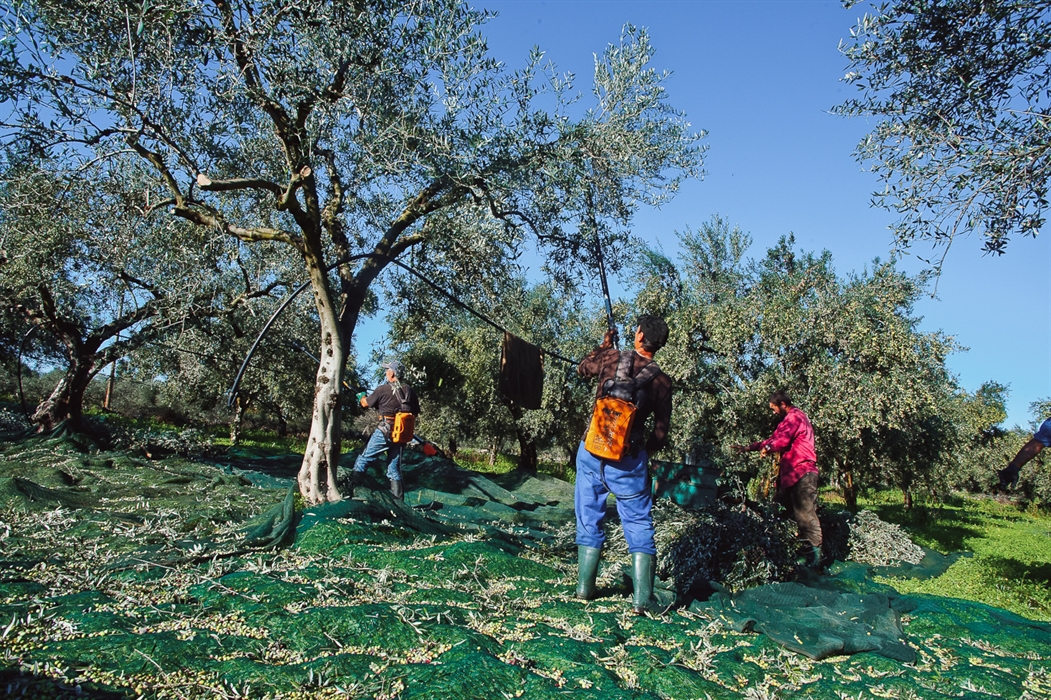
886	410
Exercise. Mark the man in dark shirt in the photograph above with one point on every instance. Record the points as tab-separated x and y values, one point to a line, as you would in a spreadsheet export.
628	479
388	399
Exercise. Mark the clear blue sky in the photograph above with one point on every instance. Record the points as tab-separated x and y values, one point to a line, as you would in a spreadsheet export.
760	77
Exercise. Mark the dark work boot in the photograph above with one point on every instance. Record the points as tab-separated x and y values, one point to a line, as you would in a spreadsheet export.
811	558
350	480
397	490
643	569
587	570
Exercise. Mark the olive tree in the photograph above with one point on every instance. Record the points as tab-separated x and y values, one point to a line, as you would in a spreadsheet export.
960	90
984	444
847	350
100	280
198	362
22	348
352	132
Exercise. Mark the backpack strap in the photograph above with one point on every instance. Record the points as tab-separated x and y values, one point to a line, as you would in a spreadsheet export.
401	396
623	376
624	366
647	374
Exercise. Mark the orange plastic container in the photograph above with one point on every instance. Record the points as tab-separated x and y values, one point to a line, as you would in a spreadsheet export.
609	434
403	429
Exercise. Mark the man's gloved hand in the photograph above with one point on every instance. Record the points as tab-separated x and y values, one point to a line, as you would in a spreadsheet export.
361	396
1008	477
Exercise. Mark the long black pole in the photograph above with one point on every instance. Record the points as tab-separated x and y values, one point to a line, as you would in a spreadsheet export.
605	284
610	323
231	395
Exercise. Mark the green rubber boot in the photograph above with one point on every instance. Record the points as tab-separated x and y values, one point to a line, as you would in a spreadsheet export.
587	571
643	569
397	489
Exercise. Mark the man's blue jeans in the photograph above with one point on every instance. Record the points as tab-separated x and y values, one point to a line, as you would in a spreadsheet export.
374	448
629	481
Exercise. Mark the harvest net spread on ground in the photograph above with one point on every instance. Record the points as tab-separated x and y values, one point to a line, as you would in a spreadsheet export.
121	576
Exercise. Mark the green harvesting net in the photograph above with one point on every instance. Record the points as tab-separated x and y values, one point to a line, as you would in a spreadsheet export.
122	576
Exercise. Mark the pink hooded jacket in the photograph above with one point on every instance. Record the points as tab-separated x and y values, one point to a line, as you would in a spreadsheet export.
794	440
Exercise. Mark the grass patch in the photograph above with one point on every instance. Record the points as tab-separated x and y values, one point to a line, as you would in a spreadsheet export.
479	460
1011	566
263	440
270	441
483	461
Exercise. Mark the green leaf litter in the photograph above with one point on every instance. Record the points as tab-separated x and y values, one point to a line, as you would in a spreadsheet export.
123	577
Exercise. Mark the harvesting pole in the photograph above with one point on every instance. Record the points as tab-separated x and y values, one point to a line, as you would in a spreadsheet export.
610	323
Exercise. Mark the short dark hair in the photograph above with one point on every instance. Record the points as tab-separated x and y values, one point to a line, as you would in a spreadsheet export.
780	397
654	332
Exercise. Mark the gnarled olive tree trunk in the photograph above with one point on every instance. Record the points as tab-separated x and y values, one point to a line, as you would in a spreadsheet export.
237	421
527	453
85	354
66	402
850	493
318	473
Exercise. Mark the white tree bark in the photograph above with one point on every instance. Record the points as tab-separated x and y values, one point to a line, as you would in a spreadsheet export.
317	476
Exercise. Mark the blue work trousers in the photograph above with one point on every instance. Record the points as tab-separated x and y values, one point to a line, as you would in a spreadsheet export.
629	481
376	446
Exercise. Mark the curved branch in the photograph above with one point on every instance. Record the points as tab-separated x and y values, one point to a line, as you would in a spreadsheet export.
505	214
117	99
158	162
335	203
159	133
63	327
250	234
119	325
254	81
209	185
330	94
264	292
150	208
403	244
139	283
287	198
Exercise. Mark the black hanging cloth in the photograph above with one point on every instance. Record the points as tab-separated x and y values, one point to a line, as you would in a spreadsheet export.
521	372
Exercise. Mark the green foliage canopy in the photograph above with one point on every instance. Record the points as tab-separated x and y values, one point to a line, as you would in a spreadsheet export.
100	279
847	350
961	90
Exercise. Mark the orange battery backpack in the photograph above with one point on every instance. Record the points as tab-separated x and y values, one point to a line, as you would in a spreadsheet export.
404	427
609	435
